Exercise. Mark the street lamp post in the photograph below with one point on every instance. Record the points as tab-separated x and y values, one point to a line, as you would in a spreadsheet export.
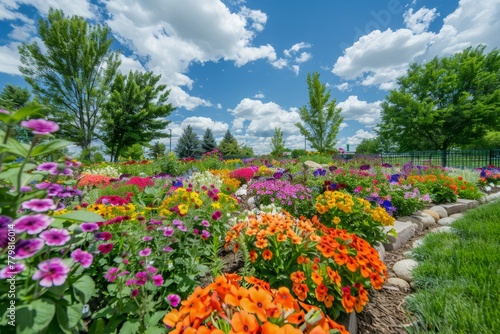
170	149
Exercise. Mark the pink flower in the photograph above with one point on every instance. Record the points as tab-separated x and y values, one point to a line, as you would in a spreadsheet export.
205	223
105	236
157	280
32	224
216	215
174	300
51	272
168	249
134	293
51	167
152	270
205	234
147	238
141	278
82	257
111	274
55	237
40	126
10	271
28	248
89	227
145	252
168	231
39	205
105	248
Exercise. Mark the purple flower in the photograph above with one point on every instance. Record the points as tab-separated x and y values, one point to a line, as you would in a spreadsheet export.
111	274
147	238
4	221
205	234
82	257
10	270
48	167
40	126
32	224
176	222
55	237
174	300
151	270
134	293
89	227
39	205
157	280
168	231
364	167
3	111
105	236
216	215
168	249
145	252
51	272
182	228
52	188
105	248
141	278
28	248
205	223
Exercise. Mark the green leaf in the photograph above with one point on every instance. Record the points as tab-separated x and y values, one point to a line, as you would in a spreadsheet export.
36	316
50	146
25	112
113	324
68	316
130	327
81	216
97	326
155	330
84	288
156	317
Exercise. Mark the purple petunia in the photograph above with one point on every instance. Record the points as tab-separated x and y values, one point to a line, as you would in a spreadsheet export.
32	224
176	222
51	272
82	257
105	236
141	278
55	237
52	188
145	252
89	227
174	299
168	249
147	238
182	228
168	231
40	126
205	223
10	270
157	280
48	167
28	248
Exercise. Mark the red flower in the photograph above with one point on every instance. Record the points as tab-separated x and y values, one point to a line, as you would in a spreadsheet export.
105	248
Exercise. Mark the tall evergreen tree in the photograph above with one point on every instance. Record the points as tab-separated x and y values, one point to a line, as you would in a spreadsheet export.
135	112
229	144
189	144
208	143
14	97
277	143
157	150
321	118
72	72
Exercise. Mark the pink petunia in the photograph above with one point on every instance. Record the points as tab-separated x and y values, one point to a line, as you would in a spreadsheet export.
168	249
141	278
111	274
157	280
174	299
168	231
27	248
205	234
134	293
105	248
151	270
82	257
51	272
89	227
55	237
11	270
105	236
145	252
32	224
147	238
216	215
40	126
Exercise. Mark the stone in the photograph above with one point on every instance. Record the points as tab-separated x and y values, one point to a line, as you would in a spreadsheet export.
418	242
312	165
433	214
403	269
251	202
441	229
380	250
349	321
471	203
418	224
452	208
405	231
426	220
440	211
401	284
242	191
456	215
408	254
446	221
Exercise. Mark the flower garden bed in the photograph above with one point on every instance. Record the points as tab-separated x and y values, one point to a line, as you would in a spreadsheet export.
208	246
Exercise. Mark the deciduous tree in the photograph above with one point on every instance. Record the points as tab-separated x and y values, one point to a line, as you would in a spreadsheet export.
277	143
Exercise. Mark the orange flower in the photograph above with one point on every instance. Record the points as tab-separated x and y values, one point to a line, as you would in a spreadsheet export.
296	318
329	300
261	242
236	295
284	298
302	259
243	322
348	302
172	318
334	275
326	250
352	265
253	255
320	292
340	258
281	237
259	301
377	281
267	255
314	266
316	277
300	290
298	277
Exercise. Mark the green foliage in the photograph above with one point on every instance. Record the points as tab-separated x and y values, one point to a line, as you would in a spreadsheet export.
444	102
369	146
71	73
229	145
14	97
277	143
167	164
135	112
297	153
208	143
246	151
98	157
189	145
134	152
157	150
321	118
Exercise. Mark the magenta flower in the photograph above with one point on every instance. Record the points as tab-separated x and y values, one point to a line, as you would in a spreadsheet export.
134	293
145	252
51	272
205	234
10	271
176	222
32	224
141	278
168	249
40	126
152	270
55	237
105	236
89	227
28	248
82	257
174	299
105	248
216	215
147	238
182	228
168	231
157	280
52	188
48	167
205	223
111	274
3	111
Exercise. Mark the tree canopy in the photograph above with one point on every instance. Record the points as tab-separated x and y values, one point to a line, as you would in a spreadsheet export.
277	143
229	144
444	103
72	72
208	143
189	145
321	118
135	112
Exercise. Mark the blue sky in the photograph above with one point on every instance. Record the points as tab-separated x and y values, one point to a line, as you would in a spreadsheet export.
242	65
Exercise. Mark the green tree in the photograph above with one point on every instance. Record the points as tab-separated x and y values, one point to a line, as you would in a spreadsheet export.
444	103
277	143
189	144
229	144
157	150
71	72
208	143
135	112
369	146
246	151
14	97
133	152
321	118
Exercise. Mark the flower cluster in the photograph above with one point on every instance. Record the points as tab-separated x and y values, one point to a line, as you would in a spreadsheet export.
93	180
225	306
141	182
244	174
111	171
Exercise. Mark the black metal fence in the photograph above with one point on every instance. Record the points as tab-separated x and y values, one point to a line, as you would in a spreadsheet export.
454	158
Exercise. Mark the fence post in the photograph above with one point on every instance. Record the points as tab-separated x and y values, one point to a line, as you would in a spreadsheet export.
443	158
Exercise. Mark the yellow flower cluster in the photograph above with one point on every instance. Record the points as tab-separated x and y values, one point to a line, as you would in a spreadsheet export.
334	199
228	181
184	199
380	215
113	211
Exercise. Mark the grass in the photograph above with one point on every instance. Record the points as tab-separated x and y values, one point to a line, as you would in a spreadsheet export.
458	277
